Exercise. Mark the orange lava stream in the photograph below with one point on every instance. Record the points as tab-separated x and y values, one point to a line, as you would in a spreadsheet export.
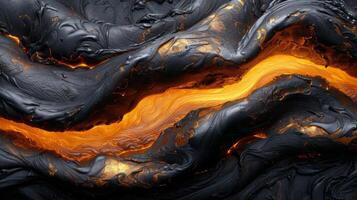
154	113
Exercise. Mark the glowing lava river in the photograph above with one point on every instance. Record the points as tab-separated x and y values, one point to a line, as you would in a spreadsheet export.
178	99
155	113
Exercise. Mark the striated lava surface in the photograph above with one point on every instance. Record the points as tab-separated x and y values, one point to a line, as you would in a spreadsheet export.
178	99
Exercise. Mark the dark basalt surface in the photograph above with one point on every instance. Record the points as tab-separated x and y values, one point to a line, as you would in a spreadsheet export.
134	40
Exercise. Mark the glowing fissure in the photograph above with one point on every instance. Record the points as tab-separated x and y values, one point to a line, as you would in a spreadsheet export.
14	38
81	64
154	113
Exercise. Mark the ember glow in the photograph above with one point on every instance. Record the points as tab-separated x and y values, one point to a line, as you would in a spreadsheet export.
154	113
15	39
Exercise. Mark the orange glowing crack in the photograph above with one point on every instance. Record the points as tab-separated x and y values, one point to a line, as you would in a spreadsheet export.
14	38
154	113
81	64
74	66
245	140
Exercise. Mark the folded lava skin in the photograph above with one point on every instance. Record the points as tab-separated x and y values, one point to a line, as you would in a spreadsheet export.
178	99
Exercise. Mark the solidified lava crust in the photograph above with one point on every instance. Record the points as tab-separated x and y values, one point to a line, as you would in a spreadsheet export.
178	99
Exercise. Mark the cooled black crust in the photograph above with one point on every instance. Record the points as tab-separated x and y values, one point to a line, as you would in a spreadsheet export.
128	35
62	95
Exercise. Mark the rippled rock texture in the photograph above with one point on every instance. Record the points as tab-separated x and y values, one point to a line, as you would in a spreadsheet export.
178	99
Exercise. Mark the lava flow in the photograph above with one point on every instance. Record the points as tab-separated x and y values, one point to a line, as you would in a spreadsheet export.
154	113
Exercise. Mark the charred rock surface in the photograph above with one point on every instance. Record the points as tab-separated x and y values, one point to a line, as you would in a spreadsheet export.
293	137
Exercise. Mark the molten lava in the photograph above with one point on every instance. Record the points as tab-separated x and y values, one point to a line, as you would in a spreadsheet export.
154	113
14	38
